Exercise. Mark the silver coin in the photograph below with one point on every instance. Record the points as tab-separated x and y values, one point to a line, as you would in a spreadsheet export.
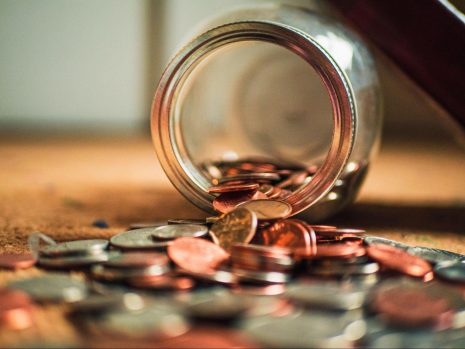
138	239
256	176
141	225
454	272
267	277
345	270
371	240
174	231
98	303
197	221
73	261
154	322
221	277
52	287
329	295
268	209
305	330
410	339
75	248
102	272
434	255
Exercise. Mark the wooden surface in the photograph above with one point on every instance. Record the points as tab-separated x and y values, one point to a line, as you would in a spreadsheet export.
414	193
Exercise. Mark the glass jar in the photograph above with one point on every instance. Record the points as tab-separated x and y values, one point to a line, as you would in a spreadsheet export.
276	82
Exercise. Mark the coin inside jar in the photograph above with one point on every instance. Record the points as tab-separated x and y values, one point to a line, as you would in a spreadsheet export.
228	188
174	231
226	202
268	209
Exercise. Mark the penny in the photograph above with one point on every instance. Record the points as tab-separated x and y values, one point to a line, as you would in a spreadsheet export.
102	272
340	233
338	250
266	189
288	233
412	308
138	239
323	228
137	259
17	260
163	283
454	271
227	202
399	260
221	277
196	255
254	177
16	310
233	188
51	288
237	226
75	247
174	231
199	221
268	209
261	258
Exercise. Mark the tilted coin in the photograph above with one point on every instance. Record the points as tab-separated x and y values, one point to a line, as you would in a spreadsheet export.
268	209
74	261
330	295
227	202
373	240
138	239
174	231
451	271
75	247
196	255
52	287
237	226
434	255
187	221
17	260
153	322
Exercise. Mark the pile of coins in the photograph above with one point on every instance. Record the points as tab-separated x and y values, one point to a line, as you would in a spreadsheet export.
250	277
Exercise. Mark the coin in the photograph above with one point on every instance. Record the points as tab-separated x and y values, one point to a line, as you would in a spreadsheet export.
102	272
17	260
454	271
258	177
237	226
340	250
51	287
187	221
75	247
138	239
266	189
73	261
228	188
327	295
222	277
344	270
412	307
196	255
99	304
434	255
261	258
173	231
141	225
374	240
266	277
137	260
163	282
399	260
16	310
268	209
227	202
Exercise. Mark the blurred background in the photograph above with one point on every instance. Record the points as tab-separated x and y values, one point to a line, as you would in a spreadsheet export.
91	67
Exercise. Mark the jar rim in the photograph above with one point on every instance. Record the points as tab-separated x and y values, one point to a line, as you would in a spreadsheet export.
173	157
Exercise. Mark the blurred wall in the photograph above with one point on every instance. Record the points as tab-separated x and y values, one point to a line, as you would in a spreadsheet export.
93	65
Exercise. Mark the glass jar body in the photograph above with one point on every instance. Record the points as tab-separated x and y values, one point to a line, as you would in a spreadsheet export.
271	81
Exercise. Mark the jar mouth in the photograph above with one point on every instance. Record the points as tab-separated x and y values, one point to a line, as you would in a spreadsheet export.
173	155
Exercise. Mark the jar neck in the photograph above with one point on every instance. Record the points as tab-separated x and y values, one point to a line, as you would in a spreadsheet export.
166	134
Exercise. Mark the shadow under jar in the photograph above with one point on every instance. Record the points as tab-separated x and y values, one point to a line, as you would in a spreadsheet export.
274	85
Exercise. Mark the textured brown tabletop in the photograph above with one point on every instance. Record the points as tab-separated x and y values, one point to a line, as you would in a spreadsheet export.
415	193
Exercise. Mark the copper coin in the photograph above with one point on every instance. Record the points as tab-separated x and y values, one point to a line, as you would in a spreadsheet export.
227	202
196	255
15	309
222	277
295	179
137	260
257	177
17	260
275	193
411	307
323	228
228	188
338	250
340	232
268	209
162	282
266	189
262	250
399	260
237	226
289	233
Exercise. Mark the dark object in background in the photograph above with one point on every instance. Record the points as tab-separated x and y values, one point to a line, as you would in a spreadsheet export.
100	223
426	39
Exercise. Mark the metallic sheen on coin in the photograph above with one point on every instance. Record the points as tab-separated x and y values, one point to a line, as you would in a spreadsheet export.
268	209
174	231
138	239
75	247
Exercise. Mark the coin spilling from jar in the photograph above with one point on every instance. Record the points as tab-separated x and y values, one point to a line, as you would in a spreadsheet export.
250	277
